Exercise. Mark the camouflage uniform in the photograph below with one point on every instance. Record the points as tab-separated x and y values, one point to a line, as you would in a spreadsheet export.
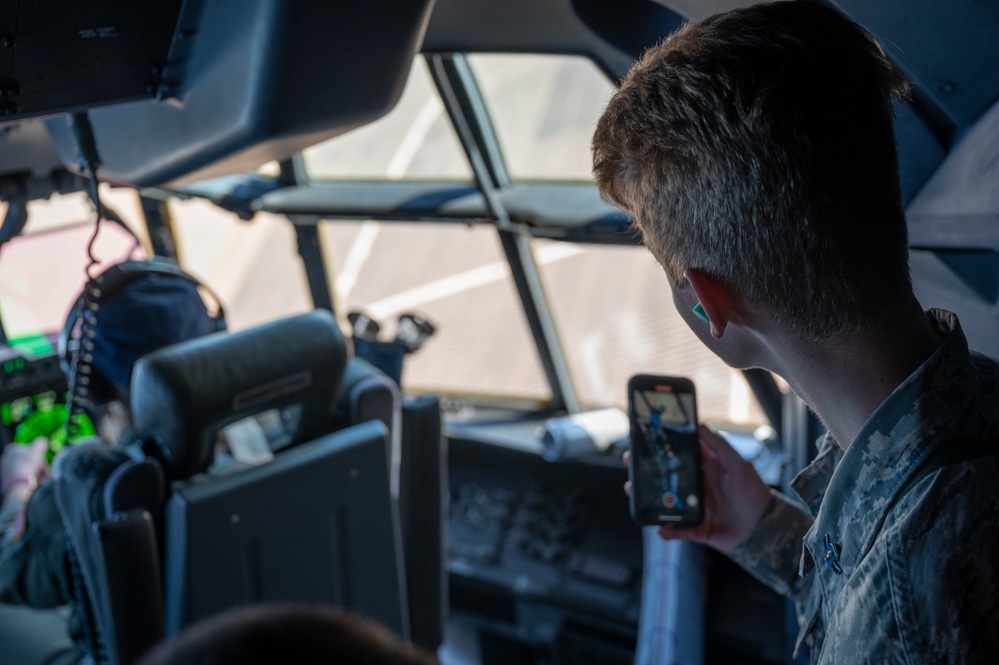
927	589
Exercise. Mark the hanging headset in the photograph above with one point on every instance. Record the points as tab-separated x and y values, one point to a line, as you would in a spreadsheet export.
76	352
76	360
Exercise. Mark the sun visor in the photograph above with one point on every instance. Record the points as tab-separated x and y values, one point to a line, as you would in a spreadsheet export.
251	81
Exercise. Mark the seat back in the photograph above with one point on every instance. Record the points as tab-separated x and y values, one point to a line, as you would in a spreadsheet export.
366	393
419	482
183	395
423	496
316	523
418	456
133	584
105	499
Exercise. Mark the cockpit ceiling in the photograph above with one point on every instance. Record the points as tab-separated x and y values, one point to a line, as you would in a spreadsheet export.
237	84
248	94
63	56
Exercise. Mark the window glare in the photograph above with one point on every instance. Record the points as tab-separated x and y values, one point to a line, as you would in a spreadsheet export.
615	317
253	267
458	279
414	141
45	268
544	109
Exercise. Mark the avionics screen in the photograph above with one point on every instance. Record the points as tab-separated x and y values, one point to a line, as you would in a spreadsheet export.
41	414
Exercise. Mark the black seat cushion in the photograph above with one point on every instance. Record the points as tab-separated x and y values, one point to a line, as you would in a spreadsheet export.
184	394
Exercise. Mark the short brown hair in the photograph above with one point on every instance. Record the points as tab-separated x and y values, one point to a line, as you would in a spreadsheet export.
758	145
287	633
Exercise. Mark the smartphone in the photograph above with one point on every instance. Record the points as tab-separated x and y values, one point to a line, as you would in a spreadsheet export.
665	470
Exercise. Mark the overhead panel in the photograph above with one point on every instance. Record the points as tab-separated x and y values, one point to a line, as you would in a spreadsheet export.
948	48
255	81
64	55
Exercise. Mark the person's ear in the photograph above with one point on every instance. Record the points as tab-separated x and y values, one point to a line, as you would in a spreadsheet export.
714	297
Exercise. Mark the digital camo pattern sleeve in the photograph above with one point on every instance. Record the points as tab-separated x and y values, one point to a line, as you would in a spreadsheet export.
916	568
772	554
930	592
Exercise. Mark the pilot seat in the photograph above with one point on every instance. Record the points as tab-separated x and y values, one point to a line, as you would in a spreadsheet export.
165	533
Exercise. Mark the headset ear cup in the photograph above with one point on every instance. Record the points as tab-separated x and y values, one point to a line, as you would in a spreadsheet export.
90	390
100	391
218	318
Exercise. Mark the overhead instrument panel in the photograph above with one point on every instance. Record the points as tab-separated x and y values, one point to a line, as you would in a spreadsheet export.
66	55
250	81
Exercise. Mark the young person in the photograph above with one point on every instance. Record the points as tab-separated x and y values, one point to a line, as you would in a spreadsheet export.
755	151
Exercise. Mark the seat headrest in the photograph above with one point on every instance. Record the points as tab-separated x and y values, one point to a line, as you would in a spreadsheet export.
367	393
182	395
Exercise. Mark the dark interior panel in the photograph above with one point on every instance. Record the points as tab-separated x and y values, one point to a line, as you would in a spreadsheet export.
62	55
264	79
951	57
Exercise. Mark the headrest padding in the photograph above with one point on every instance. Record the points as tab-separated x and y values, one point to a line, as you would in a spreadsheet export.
184	394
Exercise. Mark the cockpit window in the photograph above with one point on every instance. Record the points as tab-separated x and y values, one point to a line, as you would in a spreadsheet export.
457	278
415	141
616	318
543	108
43	270
270	170
253	266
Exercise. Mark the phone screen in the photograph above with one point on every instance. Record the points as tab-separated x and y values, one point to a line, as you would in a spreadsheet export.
665	453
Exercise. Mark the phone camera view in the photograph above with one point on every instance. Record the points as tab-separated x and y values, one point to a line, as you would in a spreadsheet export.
666	480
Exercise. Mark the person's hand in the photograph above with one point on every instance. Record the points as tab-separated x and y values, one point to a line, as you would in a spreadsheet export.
735	498
22	467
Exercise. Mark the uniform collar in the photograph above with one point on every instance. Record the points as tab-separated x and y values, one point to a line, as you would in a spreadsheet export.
921	412
812	482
